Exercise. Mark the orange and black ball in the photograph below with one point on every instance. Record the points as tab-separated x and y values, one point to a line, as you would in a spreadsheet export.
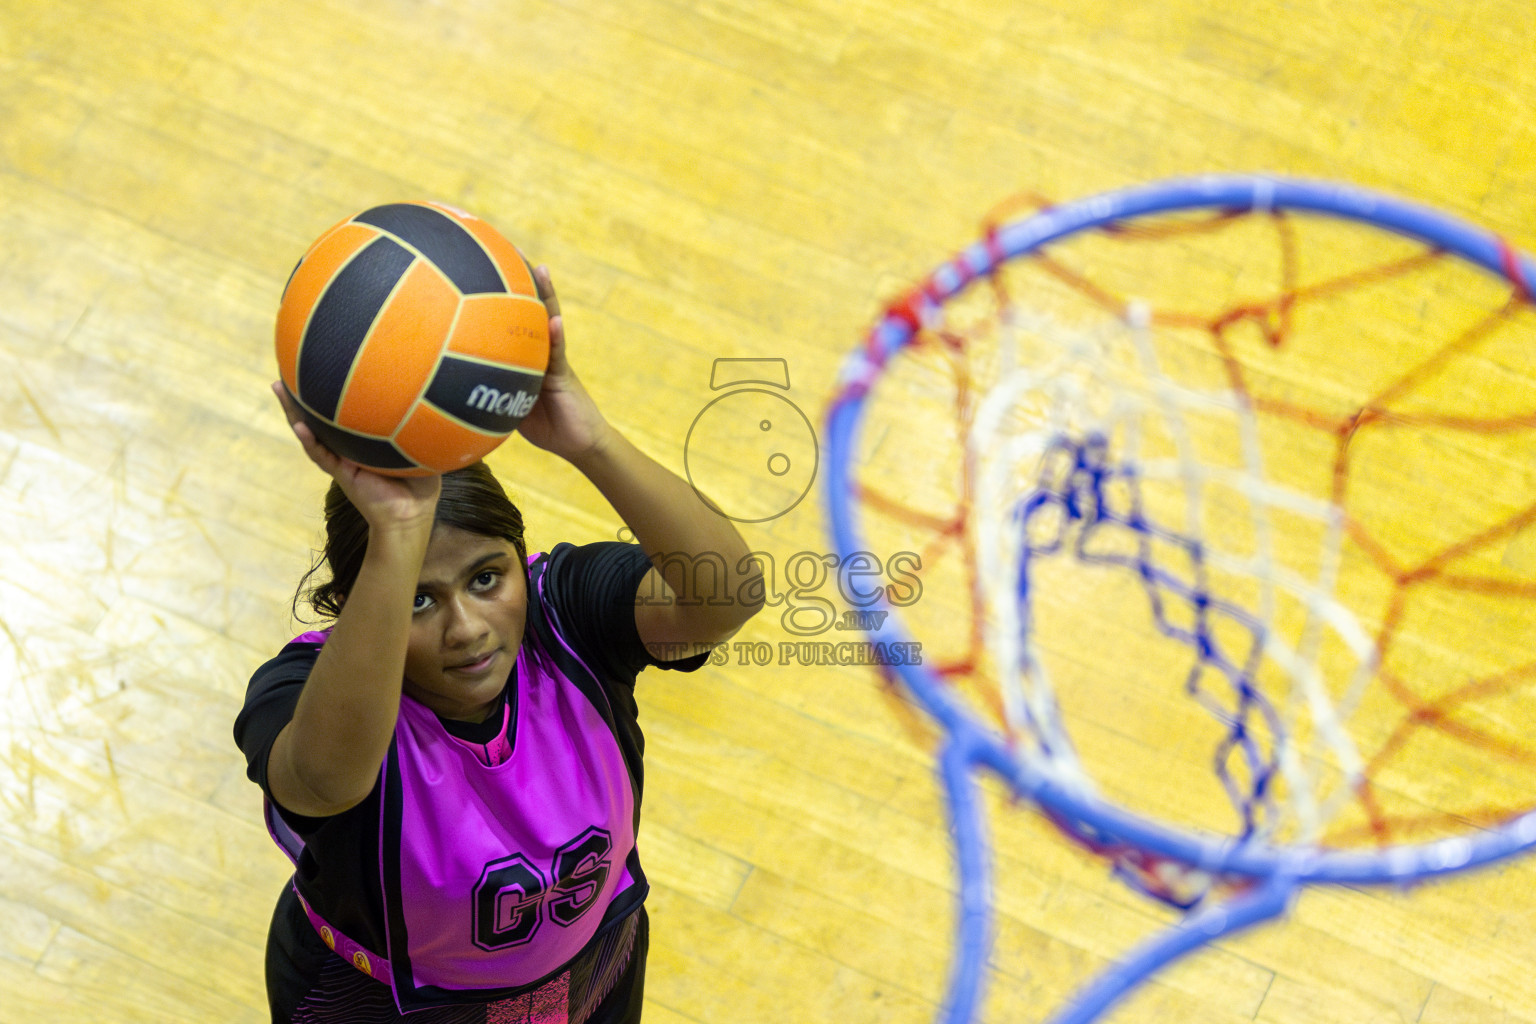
413	338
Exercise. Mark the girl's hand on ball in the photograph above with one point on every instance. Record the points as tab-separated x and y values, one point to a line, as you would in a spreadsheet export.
565	420
386	502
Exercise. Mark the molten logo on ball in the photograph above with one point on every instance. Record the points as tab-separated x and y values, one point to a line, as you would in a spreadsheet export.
487	399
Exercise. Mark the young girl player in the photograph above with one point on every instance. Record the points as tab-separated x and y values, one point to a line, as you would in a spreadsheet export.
454	765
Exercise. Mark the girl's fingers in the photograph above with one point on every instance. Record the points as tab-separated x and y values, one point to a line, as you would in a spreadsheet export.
379	498
290	409
318	453
546	288
551	302
556	336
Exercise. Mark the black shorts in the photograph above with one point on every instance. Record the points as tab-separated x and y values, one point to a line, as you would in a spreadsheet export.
309	984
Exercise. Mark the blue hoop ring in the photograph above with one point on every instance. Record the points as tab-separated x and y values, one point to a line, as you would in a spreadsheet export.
1280	869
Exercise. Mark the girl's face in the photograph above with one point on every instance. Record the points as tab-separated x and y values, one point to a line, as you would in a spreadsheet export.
467	623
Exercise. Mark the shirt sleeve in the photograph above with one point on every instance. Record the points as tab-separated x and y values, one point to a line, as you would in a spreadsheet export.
270	699
590	592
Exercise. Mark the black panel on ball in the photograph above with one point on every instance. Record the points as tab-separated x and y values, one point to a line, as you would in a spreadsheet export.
443	241
342	319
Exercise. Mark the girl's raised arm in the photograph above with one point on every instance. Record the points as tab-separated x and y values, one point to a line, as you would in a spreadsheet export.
669	520
327	758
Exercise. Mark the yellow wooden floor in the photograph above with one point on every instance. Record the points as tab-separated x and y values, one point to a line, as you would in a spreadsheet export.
709	179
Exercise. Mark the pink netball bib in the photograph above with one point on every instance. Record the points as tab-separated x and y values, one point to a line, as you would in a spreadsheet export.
504	871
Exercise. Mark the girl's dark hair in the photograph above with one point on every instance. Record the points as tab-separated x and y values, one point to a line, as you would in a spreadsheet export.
472	500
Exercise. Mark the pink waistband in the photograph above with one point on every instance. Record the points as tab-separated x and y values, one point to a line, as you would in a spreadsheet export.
370	963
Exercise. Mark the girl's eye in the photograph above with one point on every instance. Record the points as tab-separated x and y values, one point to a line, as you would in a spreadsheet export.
486	580
421	604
